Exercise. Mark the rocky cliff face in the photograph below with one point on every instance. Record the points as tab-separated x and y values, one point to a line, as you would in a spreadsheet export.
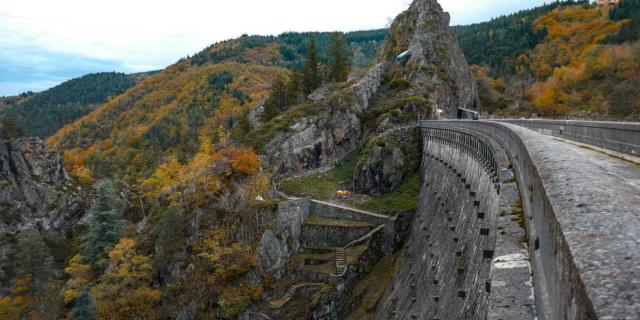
388	159
319	139
35	193
436	67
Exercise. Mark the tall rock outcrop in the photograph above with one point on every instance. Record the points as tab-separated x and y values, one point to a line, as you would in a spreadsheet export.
436	67
434	76
35	193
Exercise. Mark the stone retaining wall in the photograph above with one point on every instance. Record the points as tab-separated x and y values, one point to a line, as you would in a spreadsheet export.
330	236
333	211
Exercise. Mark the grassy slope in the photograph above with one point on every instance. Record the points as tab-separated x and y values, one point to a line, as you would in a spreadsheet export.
323	185
367	293
403	199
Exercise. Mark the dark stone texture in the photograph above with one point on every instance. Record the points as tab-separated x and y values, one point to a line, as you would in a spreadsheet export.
387	159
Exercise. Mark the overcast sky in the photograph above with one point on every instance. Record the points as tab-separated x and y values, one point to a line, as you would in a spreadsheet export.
44	42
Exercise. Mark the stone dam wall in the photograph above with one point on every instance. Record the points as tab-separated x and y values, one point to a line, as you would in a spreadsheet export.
581	223
619	136
452	246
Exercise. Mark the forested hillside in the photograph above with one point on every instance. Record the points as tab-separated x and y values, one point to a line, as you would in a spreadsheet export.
181	195
42	114
496	44
184	166
289	49
572	59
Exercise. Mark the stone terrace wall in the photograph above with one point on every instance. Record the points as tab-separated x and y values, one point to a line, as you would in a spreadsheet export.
333	211
582	224
619	136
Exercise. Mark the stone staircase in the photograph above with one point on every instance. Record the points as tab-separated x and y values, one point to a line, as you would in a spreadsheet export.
277	303
341	262
332	237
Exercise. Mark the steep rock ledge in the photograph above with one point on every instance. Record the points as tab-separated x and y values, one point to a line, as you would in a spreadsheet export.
317	140
387	159
35	193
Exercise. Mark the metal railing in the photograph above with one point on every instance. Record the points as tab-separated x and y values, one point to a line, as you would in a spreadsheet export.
478	149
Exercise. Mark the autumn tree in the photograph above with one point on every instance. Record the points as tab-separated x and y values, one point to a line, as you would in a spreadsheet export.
106	225
162	180
14	304
339	58
221	261
123	292
242	160
34	271
79	277
242	129
311	72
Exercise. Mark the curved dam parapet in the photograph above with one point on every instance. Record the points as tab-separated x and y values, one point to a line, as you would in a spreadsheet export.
619	136
512	224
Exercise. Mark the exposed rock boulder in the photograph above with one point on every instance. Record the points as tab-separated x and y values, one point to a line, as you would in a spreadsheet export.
277	245
387	160
35	193
436	67
315	141
256	113
366	87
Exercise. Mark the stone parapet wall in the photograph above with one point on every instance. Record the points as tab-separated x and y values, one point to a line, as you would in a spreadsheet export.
619	136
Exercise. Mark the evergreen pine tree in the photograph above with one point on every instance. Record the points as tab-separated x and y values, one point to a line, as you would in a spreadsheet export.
339	58
295	88
106	225
167	233
277	100
242	129
84	308
30	259
9	128
311	74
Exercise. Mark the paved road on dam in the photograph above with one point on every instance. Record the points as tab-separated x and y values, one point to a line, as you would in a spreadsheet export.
596	198
625	174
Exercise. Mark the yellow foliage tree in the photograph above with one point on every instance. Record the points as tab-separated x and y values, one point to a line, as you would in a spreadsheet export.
123	292
571	32
80	275
221	261
165	176
13	305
